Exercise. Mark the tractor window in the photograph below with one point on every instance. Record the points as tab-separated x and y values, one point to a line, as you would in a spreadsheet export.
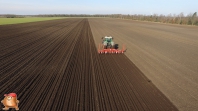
108	39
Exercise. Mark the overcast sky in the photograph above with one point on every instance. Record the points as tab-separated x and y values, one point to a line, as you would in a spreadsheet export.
146	7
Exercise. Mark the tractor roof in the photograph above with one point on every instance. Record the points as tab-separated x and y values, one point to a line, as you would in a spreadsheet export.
108	37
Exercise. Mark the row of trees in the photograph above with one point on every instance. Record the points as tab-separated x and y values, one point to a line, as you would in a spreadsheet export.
12	16
72	15
52	15
190	19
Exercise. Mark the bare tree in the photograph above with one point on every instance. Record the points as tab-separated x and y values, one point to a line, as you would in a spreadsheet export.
181	15
194	18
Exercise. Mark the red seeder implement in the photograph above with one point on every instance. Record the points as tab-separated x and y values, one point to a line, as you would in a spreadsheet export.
102	50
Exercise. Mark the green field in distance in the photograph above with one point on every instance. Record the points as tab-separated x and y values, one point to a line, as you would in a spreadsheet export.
4	21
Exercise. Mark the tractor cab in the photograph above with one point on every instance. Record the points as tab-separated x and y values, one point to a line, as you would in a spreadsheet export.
108	39
107	42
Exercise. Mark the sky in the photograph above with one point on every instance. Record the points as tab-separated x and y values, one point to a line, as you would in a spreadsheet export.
145	7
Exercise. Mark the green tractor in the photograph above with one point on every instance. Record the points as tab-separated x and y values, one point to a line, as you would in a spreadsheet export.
108	46
108	42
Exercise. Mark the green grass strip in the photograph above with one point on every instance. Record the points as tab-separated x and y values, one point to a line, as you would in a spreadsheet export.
4	21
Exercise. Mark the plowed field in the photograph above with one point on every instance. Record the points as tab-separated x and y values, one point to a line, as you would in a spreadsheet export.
54	65
167	54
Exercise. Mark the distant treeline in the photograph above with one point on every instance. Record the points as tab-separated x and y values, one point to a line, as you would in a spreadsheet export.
190	19
12	16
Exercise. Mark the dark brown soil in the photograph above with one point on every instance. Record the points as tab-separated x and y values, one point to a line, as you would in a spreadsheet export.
54	65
